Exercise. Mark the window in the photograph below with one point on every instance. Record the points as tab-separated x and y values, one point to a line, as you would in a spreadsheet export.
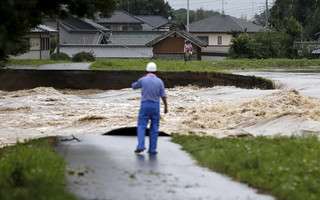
115	28
219	40
204	38
45	44
127	28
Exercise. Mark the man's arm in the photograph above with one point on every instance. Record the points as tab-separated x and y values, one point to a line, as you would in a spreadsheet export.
164	99
136	85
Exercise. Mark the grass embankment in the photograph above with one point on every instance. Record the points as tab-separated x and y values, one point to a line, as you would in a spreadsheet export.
285	167
32	171
179	65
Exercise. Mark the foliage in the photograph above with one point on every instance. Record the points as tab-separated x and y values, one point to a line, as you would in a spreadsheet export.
53	44
32	171
243	47
209	66
18	17
292	27
264	44
286	167
83	56
63	56
145	7
313	24
180	15
305	12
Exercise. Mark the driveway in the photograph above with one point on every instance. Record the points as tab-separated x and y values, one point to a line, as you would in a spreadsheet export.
57	66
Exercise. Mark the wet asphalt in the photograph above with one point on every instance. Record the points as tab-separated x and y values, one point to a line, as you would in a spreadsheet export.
57	66
106	168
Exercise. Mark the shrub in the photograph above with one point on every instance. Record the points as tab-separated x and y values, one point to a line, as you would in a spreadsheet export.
83	56
63	56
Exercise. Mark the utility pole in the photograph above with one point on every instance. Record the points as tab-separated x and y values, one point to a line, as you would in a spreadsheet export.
58	38
266	13
222	7
253	9
188	15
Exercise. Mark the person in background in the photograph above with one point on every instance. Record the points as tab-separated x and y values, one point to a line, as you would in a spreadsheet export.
152	89
188	50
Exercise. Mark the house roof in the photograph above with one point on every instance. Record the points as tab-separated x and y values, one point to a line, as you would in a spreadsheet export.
152	21
109	51
316	51
68	36
223	24
79	31
133	37
43	29
119	17
186	35
74	23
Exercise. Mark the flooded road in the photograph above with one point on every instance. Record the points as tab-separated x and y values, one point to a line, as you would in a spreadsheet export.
293	108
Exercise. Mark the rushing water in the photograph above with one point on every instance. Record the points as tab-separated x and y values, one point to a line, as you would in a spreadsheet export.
293	108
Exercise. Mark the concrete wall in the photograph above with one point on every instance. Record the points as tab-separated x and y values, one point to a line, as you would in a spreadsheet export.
113	79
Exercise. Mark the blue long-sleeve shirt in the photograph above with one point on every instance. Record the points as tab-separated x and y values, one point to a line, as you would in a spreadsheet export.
152	88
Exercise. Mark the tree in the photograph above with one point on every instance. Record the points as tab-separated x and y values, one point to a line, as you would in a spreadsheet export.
263	44
304	11
313	26
181	15
18	17
242	46
145	7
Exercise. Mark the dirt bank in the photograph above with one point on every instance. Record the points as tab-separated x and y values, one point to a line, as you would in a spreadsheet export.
11	80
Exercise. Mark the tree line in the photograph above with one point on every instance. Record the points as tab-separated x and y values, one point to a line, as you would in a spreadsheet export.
290	21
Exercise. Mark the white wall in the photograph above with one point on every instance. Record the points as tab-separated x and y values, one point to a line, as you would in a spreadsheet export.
35	52
213	38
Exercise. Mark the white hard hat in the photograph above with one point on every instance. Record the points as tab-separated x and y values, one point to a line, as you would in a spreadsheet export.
151	67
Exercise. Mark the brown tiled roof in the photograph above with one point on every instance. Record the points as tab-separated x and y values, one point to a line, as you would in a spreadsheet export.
186	35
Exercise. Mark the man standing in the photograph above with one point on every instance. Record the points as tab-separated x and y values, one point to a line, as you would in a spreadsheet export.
152	88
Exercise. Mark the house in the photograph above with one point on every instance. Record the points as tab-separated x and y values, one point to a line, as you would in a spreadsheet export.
39	39
120	44
105	51
216	31
316	53
75	30
155	22
318	34
170	45
130	38
121	21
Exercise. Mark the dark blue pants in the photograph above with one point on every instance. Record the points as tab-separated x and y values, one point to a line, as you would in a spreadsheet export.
148	111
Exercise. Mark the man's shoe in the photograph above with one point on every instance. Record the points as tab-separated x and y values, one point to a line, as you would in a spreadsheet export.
138	151
153	153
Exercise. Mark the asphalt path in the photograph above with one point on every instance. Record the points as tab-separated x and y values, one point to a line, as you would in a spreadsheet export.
57	66
106	168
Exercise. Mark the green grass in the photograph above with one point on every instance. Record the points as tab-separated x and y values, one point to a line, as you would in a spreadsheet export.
32	170
179	65
285	167
35	62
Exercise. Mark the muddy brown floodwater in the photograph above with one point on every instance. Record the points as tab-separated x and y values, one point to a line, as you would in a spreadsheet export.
217	111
